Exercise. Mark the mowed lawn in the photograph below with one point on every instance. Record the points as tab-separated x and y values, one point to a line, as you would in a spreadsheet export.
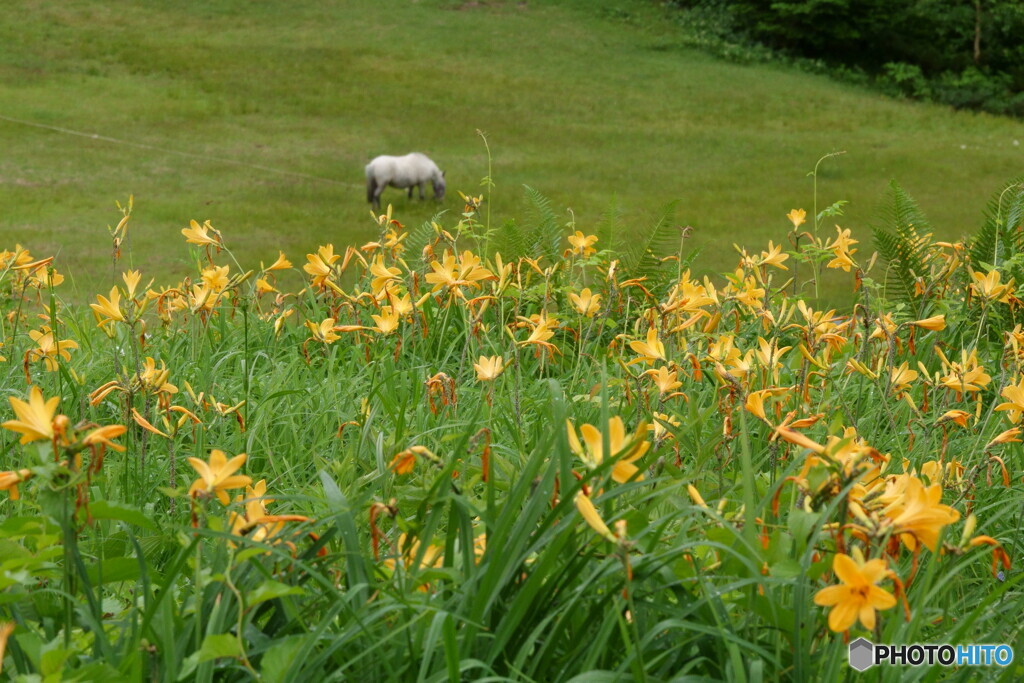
591	103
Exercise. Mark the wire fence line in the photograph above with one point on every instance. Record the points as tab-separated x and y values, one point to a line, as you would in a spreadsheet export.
167	150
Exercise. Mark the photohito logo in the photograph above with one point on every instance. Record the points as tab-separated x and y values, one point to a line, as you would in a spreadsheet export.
865	654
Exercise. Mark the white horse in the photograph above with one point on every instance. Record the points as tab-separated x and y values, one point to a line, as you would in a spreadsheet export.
412	170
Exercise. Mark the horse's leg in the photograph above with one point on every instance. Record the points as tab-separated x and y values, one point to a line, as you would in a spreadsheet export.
410	191
371	188
421	191
376	195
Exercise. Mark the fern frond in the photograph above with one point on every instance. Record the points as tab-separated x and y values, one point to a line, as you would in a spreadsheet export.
903	242
546	233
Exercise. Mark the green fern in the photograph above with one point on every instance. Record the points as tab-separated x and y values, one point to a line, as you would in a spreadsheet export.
1000	237
643	257
902	242
420	237
546	235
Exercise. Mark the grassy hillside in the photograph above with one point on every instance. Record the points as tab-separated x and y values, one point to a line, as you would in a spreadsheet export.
590	103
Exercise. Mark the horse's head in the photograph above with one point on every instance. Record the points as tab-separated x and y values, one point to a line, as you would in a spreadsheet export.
439	186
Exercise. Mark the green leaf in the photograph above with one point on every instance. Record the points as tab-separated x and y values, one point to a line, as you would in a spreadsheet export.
278	659
114	569
120	512
219	645
271	590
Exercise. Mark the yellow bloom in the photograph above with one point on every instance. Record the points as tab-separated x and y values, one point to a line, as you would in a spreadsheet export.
774	256
583	244
902	377
47	349
108	310
770	356
101	436
282	263
216	277
959	417
218	476
841	250
6	629
657	427
323	331
387	321
321	265
591	516
445	273
858	596
9	482
650	351
917	514
935	323
542	332
1009	436
755	401
965	376
383	276
200	234
665	381
35	418
988	287
131	281
488	369
403	462
586	303
797	217
1014	395
626	450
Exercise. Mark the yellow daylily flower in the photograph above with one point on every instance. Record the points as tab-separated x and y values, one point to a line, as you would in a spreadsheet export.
200	234
582	244
797	217
218	476
387	320
9	482
108	310
917	514
664	379
650	351
35	418
323	331
936	323
585	303
591	450
592	517
773	257
488	369
858	596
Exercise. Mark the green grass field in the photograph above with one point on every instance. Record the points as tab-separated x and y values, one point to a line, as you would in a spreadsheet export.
590	103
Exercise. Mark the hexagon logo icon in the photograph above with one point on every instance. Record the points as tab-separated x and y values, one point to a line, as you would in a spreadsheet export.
862	654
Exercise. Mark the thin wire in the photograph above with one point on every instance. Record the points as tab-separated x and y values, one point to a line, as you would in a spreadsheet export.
193	155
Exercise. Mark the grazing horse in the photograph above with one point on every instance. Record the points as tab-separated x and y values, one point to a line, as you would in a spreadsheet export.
412	170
